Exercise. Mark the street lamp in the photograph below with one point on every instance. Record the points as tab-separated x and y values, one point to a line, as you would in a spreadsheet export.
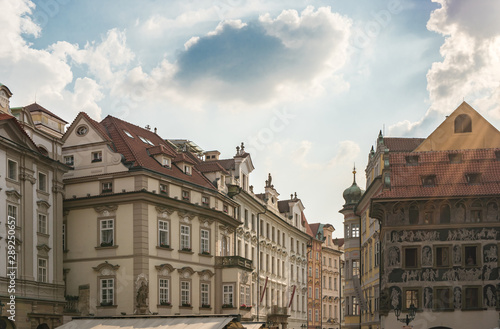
409	317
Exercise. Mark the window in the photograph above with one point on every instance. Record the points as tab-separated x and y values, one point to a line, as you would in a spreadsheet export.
245	295
12	213
107	232
411	257
225	209
455	157
411	297
185	293
97	156
128	134
227	295
355	267
355	306
442	298
107	187
82	130
268	231
412	160
377	254
12	170
463	124
107	291
69	160
163	234
473	178
185	195
413	214
316	315
317	273
316	293
309	316
310	271
205	294
253	222
42	224
164	291
42	270
355	230
163	188
471	256
429	181
165	162
185	238
442	256
246	218
187	170
205	241
291	244
444	214
472	297
476	212
309	292
335	284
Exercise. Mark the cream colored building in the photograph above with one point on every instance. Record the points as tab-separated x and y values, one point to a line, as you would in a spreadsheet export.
145	230
273	236
31	198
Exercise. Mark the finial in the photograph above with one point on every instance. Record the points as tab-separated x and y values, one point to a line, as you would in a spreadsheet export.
291	196
237	150
242	147
295	195
354	173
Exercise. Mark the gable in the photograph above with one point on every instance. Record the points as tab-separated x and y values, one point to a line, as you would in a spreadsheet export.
464	129
10	129
73	136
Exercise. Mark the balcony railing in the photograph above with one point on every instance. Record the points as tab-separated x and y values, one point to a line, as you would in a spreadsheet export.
277	310
71	304
233	261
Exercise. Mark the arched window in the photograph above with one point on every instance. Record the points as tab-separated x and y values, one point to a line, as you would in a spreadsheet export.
444	214
43	150
463	124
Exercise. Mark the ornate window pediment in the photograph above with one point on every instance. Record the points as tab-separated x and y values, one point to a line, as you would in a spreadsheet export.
164	269
106	268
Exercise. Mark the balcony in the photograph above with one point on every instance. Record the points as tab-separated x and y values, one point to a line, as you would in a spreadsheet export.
71	305
277	310
233	261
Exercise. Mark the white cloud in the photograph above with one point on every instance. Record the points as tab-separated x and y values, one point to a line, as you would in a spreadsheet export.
470	69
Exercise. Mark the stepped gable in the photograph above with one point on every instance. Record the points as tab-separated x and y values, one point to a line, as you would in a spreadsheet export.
135	150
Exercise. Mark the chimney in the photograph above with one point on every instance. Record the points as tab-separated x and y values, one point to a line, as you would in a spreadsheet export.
212	155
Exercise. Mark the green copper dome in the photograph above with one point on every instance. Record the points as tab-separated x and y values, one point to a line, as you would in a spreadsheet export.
352	194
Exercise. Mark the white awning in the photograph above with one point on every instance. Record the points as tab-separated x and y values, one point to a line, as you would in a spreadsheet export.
149	323
252	325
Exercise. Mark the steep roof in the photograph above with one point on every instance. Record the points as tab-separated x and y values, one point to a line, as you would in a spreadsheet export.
306	225
450	178
315	227
135	150
210	166
400	144
283	206
37	107
227	164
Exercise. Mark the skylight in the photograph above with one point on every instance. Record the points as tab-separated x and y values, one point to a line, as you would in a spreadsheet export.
128	134
143	139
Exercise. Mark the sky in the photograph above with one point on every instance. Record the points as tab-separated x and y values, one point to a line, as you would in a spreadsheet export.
306	84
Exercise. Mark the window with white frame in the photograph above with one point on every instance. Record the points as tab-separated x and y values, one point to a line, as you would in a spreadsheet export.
205	201
12	213
227	295
316	315
163	188
185	196
107	232
355	230
107	291
185	293
42	270
106	187
96	156
164	291
165	162
69	160
163	234
42	182
205	241
12	170
185	237
42	223
187	170
205	294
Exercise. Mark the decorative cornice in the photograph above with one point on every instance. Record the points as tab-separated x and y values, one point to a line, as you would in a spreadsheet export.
186	271
14	194
58	188
206	272
106	265
207	220
165	267
25	176
43	203
43	247
185	214
105	210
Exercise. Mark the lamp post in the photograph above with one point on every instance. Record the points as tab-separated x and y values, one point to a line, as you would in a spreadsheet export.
409	317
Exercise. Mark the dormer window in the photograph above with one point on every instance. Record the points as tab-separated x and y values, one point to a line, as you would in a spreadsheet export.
187	170
429	181
455	157
463	124
412	160
473	178
165	162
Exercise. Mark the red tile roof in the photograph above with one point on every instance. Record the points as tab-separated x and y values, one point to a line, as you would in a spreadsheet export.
338	242
227	164
399	144
314	228
161	149
182	157
406	180
36	107
284	206
210	166
306	224
136	151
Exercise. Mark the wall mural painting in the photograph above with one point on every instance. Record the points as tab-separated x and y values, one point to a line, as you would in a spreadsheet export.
394	257
427	297
397	275
462	234
395	298
489	296
426	256
490	252
457	297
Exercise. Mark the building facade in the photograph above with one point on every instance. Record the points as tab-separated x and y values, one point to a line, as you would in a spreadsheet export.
31	227
145	230
440	227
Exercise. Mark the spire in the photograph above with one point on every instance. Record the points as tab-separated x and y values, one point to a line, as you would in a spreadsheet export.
380	138
354	174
